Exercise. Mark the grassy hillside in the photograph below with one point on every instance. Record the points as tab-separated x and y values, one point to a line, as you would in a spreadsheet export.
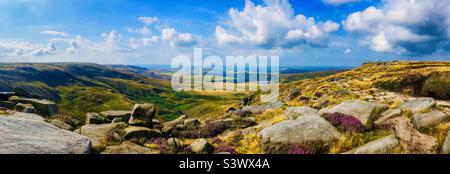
421	78
85	87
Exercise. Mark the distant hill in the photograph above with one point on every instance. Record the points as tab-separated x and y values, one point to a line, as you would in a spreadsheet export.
86	87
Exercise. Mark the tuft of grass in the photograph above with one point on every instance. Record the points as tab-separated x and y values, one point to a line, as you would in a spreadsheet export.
351	140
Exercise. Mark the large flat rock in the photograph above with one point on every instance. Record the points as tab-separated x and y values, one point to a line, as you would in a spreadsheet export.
304	129
365	112
429	119
22	133
419	104
98	133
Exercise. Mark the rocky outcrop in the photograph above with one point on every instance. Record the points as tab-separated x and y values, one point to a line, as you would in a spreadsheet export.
142	115
365	112
446	145
429	119
388	114
128	147
95	118
100	133
412	140
43	107
303	130
125	115
380	146
62	125
137	133
294	112
201	146
174	144
418	105
22	133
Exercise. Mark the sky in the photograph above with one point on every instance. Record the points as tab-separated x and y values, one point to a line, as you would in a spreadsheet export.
300	32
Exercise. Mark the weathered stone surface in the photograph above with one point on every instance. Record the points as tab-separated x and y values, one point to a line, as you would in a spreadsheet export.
304	129
98	133
24	116
43	107
380	146
125	115
128	147
418	105
136	132
201	146
412	140
142	115
432	118
60	124
174	144
118	120
252	130
294	112
170	125
22	133
21	106
446	145
365	112
388	114
191	123
95	118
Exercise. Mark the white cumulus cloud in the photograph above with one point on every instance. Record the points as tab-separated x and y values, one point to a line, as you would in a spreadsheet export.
414	27
273	25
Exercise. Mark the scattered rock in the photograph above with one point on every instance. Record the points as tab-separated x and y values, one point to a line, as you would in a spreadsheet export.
95	118
60	124
43	107
118	120
125	115
446	145
429	119
98	133
142	115
201	146
128	147
304	129
411	139
20	106
30	109
418	105
252	130
294	112
191	123
137	133
365	112
388	114
231	109
380	146
174	144
22	133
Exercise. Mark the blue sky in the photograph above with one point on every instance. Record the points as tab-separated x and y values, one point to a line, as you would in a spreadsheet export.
301	32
